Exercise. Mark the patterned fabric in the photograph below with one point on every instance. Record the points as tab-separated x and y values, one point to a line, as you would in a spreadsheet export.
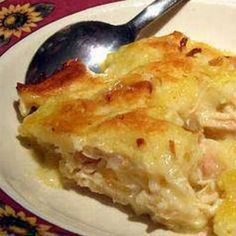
16	220
19	18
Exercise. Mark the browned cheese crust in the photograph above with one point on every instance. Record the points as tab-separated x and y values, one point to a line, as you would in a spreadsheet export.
155	130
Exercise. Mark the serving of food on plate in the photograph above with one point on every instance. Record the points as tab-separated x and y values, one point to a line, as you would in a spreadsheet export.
154	131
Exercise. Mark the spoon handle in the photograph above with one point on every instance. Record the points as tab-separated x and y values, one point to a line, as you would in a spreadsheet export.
152	12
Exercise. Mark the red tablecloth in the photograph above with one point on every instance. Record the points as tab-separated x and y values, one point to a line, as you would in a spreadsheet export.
19	18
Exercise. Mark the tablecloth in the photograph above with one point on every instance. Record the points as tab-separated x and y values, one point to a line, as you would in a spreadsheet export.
18	19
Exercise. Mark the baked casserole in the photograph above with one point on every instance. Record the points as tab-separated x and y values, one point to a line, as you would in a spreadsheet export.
155	130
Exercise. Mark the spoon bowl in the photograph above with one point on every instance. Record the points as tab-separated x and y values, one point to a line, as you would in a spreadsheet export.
90	42
96	40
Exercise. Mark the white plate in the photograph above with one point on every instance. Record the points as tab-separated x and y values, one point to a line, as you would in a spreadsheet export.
212	21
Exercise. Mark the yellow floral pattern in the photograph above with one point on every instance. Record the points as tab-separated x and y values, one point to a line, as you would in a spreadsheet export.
18	223
17	19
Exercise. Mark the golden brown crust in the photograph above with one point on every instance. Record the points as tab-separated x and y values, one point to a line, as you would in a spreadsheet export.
138	120
161	83
71	116
129	91
74	80
167	53
169	43
81	114
71	71
153	107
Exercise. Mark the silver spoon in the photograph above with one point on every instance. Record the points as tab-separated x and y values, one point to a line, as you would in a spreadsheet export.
90	41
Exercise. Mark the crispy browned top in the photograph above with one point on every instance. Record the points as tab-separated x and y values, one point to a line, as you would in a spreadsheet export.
71	71
166	105
164	76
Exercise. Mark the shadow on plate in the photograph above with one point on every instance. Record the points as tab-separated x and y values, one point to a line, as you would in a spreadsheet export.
145	219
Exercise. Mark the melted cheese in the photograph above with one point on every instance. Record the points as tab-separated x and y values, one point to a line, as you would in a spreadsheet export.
155	130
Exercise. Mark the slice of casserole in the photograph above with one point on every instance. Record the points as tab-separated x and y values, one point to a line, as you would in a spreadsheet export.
153	131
